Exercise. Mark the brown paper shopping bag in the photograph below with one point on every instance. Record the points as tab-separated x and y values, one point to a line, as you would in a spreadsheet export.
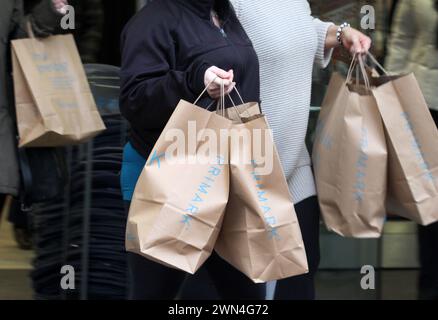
178	205
350	160
260	235
413	148
54	104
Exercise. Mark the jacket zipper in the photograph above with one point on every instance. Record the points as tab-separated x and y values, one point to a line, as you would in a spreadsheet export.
221	28
240	58
231	44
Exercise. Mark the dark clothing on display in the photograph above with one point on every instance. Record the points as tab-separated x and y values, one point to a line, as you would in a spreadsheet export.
117	14
88	30
152	281
303	287
166	49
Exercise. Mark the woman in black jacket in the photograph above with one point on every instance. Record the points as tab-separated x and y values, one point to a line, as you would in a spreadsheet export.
171	50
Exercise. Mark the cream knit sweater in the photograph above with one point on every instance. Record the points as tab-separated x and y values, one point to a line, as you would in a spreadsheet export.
288	40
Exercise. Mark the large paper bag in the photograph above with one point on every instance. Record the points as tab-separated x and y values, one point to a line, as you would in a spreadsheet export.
180	198
260	236
54	104
413	149
350	161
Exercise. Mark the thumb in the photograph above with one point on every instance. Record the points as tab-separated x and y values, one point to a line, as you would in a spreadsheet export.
356	45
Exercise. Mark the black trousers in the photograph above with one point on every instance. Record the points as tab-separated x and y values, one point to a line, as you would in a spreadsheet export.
153	281
428	246
303	287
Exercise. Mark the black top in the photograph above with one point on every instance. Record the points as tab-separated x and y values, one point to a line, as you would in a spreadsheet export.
166	49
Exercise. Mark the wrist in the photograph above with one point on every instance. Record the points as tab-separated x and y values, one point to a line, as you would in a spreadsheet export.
340	32
331	40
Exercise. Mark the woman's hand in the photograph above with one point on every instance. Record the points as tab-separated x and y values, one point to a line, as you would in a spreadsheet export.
355	41
215	76
60	5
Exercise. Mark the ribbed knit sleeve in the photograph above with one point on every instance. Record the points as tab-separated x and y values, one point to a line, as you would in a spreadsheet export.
323	56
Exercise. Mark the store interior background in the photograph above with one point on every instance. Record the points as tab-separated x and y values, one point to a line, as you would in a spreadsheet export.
394	255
